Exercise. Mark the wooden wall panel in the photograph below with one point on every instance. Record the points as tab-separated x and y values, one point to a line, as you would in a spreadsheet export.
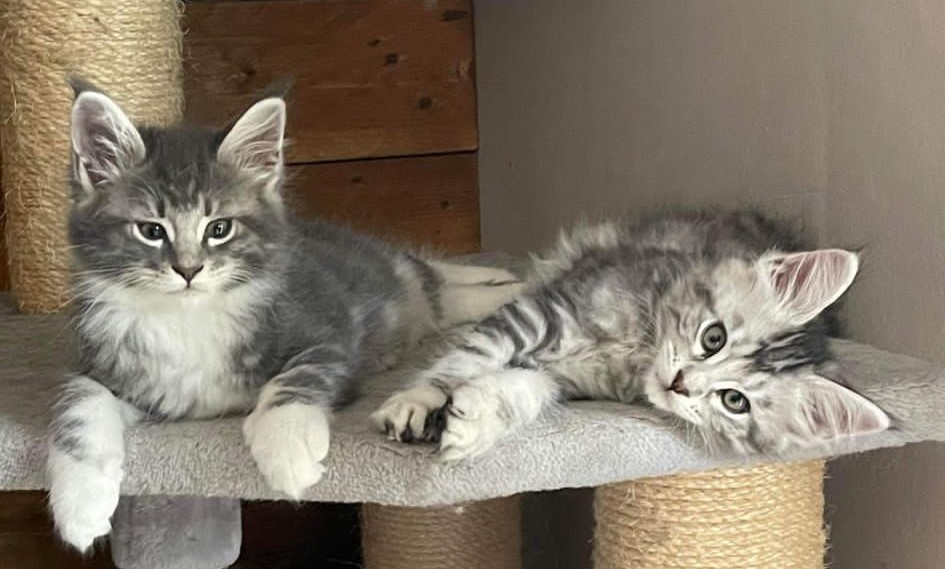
27	539
424	200
373	78
4	268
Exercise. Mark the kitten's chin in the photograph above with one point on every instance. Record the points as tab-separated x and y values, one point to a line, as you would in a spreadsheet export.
190	292
177	295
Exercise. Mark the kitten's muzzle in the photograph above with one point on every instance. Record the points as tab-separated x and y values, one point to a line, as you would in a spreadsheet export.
678	385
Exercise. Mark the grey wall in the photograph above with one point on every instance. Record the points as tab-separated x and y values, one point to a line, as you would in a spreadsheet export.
831	111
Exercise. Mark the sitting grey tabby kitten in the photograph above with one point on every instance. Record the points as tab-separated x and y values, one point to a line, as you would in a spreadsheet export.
709	316
197	296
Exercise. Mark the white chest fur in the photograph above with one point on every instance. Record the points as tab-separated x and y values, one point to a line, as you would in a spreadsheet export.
175	354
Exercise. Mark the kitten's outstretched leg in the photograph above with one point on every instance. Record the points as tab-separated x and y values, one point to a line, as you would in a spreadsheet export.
406	415
288	431
86	451
495	365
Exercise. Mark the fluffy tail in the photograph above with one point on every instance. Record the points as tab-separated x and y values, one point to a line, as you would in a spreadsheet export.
442	295
469	293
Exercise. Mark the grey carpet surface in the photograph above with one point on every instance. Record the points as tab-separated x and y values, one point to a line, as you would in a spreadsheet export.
580	444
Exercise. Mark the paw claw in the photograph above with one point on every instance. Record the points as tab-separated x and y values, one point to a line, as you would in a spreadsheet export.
435	424
404	417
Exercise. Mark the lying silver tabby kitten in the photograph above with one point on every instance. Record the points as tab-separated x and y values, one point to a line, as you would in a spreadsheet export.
713	317
197	295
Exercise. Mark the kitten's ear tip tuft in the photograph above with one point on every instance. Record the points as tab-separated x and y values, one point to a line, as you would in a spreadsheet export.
276	103
884	423
80	85
854	258
255	142
279	89
845	254
878	420
851	260
264	111
94	101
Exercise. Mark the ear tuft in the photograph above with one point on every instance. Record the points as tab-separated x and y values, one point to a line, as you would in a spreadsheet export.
807	283
832	411
80	85
255	142
104	140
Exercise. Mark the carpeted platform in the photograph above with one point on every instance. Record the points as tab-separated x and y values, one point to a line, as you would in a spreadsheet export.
581	444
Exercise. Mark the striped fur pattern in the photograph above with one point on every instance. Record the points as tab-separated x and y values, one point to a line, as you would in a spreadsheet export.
198	295
715	318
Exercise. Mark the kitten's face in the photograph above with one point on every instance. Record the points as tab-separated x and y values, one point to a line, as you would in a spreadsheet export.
174	212
738	351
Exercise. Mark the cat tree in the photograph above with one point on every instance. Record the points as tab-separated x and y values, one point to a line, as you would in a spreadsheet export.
130	48
723	513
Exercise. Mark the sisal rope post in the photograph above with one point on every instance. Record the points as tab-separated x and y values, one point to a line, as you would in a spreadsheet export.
763	517
129	48
478	535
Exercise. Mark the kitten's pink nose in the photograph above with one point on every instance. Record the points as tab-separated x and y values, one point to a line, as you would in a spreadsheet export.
678	385
188	272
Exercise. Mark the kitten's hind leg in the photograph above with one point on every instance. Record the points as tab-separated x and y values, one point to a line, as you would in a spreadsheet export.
516	333
288	431
84	466
481	411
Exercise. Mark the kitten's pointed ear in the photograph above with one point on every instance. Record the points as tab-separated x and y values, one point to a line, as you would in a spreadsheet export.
104	140
255	142
807	283
832	411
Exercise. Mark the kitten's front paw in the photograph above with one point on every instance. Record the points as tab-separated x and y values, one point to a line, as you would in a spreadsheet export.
288	443
473	423
407	416
83	498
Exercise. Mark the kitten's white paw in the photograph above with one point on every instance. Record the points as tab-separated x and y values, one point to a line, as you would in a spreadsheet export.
83	498
404	415
473	423
288	443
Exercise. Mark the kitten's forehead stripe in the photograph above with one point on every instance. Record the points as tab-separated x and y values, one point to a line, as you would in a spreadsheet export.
805	346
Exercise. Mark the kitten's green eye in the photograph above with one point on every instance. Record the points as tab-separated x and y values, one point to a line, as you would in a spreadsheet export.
151	231
220	229
713	339
734	401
